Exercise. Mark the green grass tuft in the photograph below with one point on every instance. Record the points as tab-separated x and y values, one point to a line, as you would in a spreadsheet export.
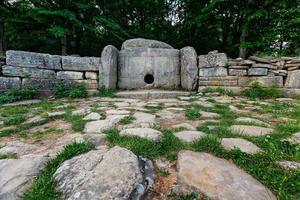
192	114
105	92
16	94
256	91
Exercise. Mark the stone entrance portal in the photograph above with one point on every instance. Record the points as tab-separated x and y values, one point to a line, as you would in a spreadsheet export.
148	64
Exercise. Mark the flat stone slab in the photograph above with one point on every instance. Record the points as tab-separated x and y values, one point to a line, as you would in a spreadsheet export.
289	165
16	175
242	144
16	147
217	178
100	174
296	138
147	133
21	103
92	116
251	130
189	136
149	94
209	115
101	125
251	120
185	126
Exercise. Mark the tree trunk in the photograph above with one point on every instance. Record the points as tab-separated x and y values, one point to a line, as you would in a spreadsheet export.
2	49
243	38
63	41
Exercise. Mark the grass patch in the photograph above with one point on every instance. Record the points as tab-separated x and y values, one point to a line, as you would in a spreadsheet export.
14	120
8	156
105	92
192	114
219	90
256	91
127	120
16	94
44	186
73	90
76	120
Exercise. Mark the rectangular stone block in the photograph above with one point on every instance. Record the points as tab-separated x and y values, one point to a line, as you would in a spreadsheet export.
243	81
237	72
293	79
212	59
72	63
42	84
218	81
27	72
70	75
33	60
260	65
258	71
91	75
9	82
214	71
239	67
269	81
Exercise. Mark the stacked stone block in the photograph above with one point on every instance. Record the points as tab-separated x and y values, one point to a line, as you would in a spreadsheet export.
42	70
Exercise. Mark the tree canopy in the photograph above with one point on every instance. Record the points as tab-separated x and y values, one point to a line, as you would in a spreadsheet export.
84	27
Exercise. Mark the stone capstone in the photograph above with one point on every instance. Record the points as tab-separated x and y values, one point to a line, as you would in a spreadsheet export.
9	82
293	80
72	63
33	60
104	174
16	175
144	43
27	72
108	69
212	59
216	178
189	69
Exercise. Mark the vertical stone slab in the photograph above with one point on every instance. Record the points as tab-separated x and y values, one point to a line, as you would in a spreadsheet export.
293	79
108	69
189	69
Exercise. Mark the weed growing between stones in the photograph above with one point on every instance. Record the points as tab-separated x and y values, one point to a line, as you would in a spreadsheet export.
16	94
72	90
219	90
14	120
127	120
256	91
105	92
44	185
192	114
76	120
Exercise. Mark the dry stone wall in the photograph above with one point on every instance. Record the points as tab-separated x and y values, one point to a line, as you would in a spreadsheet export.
215	69
36	69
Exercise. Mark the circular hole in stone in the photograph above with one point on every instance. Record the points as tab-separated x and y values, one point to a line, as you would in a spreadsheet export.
149	79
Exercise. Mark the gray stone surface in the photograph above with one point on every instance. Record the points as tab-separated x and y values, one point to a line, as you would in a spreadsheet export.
162	64
251	130
9	82
217	178
42	84
16	175
72	63
213	71
33	60
144	43
258	71
89	84
293	80
100	174
218	81
27	72
92	116
296	138
289	165
149	94
108	69
242	144
212	59
101	125
189	136
16	147
268	81
91	75
189	69
147	133
251	120
209	115
237	72
70	75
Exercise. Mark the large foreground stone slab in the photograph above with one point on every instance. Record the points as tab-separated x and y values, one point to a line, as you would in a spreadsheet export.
16	175
33	60
144	43
251	130
189	69
242	144
147	133
72	63
108	69
101	175
216	178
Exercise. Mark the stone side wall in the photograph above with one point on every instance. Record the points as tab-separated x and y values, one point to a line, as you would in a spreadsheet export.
215	69
36	69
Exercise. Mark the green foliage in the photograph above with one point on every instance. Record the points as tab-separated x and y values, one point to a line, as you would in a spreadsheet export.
14	120
8	156
256	91
192	114
43	186
76	120
220	90
127	120
16	94
73	90
105	92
